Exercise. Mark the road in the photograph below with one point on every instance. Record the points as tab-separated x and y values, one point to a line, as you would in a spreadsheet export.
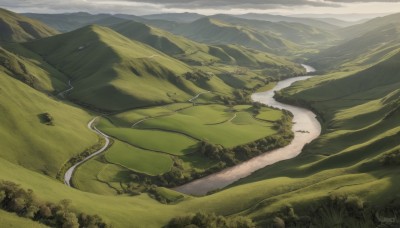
70	172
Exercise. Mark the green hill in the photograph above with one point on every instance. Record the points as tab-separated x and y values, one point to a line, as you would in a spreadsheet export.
31	140
212	31
71	21
356	154
177	17
111	72
197	54
293	31
18	28
365	50
376	23
278	18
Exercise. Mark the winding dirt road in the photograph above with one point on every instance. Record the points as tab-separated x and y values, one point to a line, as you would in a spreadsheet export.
70	172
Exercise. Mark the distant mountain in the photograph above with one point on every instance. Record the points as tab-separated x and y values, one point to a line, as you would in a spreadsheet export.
364	50
18	28
109	71
361	29
278	18
177	17
189	51
295	32
71	21
213	31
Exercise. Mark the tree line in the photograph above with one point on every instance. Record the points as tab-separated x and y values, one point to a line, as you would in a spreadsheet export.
25	204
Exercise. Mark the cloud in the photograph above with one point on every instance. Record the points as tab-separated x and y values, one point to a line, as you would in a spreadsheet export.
248	4
140	7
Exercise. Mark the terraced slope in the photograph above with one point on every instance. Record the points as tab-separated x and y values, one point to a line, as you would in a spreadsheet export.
18	28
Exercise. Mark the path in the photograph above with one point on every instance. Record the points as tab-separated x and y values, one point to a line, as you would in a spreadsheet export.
70	172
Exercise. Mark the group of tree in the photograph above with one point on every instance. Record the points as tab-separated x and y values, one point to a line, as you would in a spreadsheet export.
337	211
197	75
24	203
46	118
201	219
391	158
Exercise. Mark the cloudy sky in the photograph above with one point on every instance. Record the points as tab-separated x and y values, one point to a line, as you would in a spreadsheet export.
141	7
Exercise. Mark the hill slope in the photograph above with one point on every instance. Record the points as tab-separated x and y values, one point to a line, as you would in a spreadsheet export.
356	154
27	140
361	29
278	18
212	31
111	72
18	28
292	31
194	53
364	50
71	21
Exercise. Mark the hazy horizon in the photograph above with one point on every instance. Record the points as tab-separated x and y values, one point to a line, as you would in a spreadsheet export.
341	9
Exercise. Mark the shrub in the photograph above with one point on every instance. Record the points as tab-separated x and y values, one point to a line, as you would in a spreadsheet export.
201	219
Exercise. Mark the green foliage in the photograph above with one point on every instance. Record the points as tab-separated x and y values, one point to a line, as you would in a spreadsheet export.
391	159
201	219
23	202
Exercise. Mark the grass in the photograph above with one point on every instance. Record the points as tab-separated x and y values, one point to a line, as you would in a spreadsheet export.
267	87
213	123
204	127
18	28
269	114
125	79
142	161
46	148
100	177
346	158
13	220
154	140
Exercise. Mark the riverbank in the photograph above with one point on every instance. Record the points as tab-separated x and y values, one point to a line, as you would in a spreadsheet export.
306	128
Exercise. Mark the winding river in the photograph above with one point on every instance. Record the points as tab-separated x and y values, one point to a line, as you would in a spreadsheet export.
306	128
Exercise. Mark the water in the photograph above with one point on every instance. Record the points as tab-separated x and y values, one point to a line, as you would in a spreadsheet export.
304	121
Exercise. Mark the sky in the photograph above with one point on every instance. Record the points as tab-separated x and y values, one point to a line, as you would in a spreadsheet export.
355	8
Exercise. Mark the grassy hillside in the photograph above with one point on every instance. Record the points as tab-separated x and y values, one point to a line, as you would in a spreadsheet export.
72	21
356	154
373	24
177	17
12	220
293	31
366	50
31	140
198	54
111	72
278	18
18	28
213	31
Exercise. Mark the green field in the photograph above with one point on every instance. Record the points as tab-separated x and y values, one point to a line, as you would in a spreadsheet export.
143	161
178	132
